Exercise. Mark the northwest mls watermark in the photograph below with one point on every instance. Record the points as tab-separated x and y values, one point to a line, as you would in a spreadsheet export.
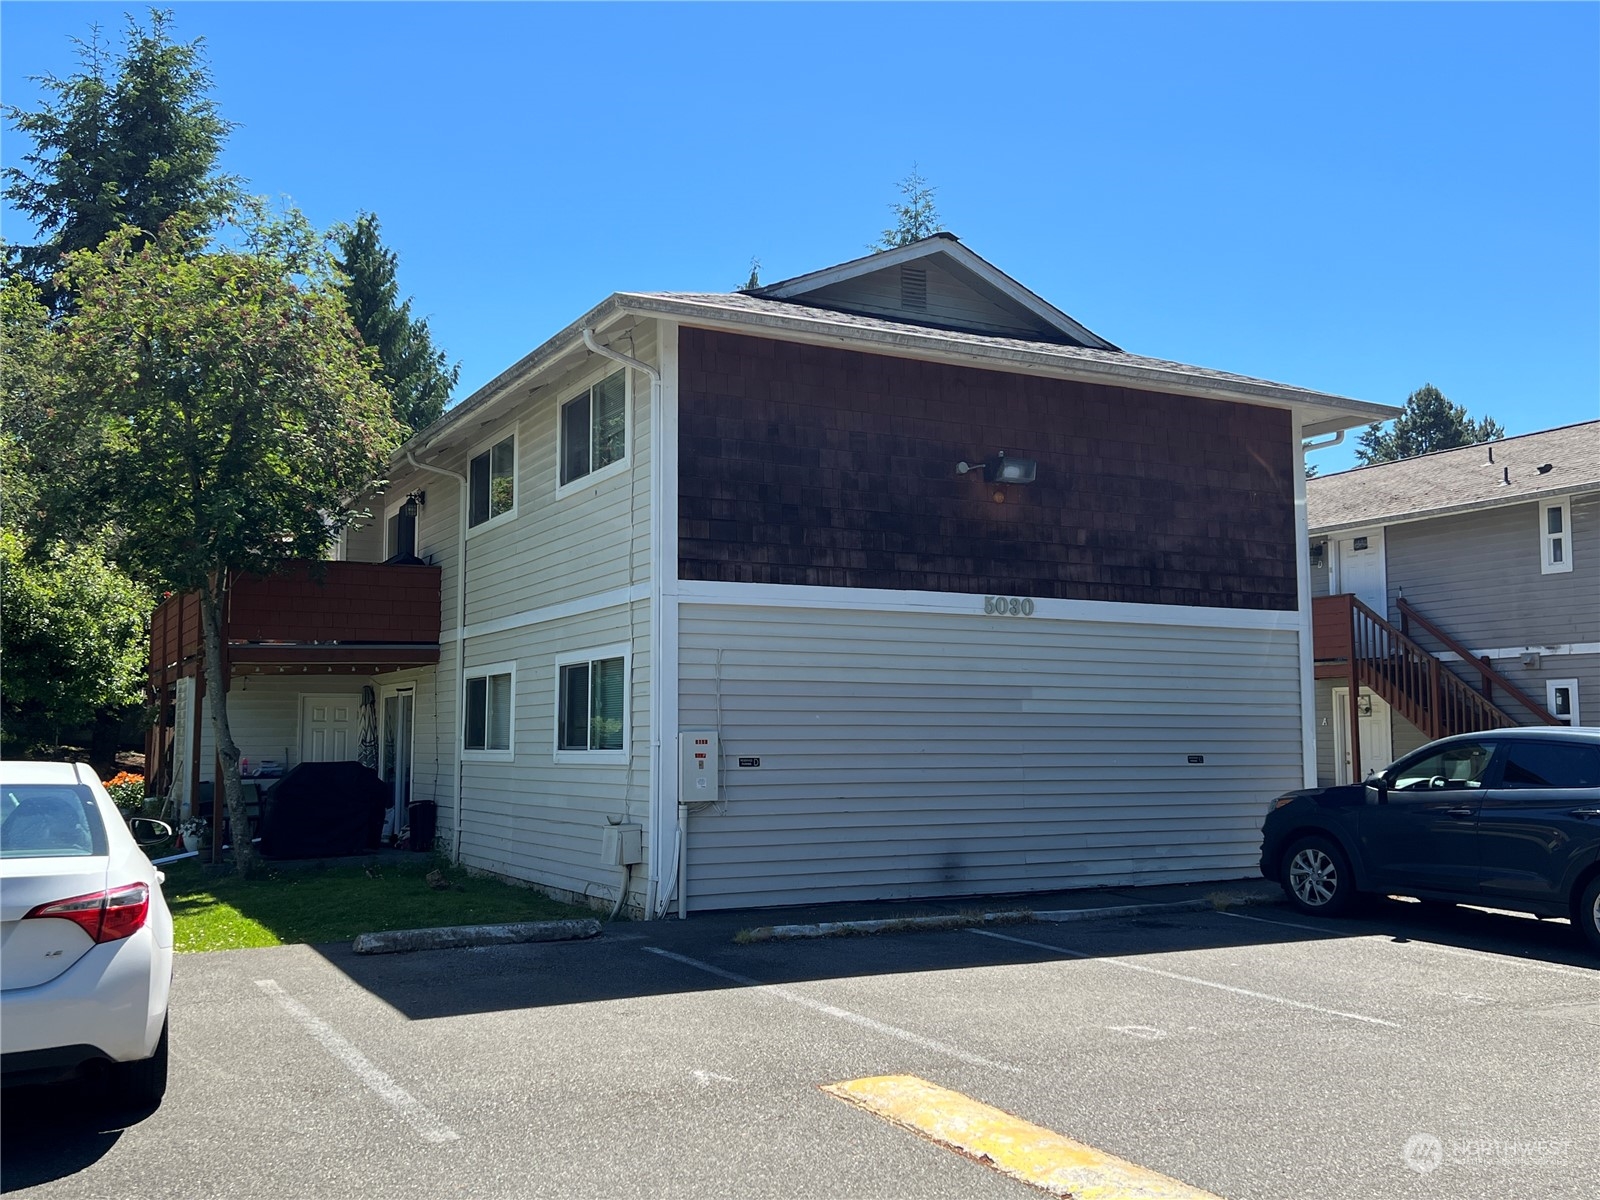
1425	1153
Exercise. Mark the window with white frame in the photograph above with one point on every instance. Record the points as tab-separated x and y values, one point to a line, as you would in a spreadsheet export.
1555	537
489	699
592	705
1561	699
491	482
594	428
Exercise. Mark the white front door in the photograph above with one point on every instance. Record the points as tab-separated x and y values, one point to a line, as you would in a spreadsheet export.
1361	570
330	728
1373	727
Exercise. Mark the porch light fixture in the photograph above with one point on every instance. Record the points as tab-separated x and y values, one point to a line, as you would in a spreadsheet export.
414	501
1003	469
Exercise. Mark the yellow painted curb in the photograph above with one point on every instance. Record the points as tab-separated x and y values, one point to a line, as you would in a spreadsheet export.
1010	1145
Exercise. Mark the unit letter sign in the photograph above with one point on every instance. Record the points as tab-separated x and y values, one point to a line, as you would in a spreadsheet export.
1007	606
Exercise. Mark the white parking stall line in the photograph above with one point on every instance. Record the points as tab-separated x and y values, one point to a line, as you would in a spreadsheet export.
841	1014
1210	983
403	1102
1480	955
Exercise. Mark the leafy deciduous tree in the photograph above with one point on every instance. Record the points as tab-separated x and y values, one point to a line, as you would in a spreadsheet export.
416	375
72	627
135	141
228	405
1429	422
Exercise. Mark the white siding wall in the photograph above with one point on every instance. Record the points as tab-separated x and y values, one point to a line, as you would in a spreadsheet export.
540	820
932	754
529	820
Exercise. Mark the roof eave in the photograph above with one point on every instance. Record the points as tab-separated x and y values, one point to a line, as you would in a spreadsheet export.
1455	510
1332	412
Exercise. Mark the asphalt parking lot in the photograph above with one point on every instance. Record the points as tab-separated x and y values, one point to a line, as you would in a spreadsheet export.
1247	1053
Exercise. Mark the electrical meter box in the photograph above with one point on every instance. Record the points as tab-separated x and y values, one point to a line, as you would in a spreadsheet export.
699	767
622	845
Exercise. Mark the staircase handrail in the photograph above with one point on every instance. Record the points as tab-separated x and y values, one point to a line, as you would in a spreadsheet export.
1432	698
1408	612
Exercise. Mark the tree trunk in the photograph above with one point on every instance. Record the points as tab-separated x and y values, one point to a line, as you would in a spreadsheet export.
212	600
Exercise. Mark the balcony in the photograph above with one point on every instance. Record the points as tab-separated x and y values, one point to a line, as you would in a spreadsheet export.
344	617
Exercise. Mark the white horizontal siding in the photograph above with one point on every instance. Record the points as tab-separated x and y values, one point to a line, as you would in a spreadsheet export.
587	540
916	754
538	820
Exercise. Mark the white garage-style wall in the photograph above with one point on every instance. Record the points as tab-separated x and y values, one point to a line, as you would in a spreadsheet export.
923	753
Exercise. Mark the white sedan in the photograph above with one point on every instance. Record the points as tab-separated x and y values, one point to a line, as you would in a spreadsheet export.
85	937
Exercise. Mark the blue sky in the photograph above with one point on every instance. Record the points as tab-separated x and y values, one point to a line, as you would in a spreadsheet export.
1357	198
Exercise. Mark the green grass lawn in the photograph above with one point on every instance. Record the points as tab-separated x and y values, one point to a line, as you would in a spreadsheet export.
217	911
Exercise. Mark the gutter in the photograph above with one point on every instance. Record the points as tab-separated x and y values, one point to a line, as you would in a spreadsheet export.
657	622
461	635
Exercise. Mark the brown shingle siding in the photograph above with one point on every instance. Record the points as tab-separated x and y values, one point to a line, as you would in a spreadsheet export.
810	465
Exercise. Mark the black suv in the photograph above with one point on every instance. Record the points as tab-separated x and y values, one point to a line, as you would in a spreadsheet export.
1508	818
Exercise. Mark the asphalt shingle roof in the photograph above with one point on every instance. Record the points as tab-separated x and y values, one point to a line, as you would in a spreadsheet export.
1481	476
736	304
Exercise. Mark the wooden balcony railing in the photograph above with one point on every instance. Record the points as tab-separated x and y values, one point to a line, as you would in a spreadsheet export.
372	612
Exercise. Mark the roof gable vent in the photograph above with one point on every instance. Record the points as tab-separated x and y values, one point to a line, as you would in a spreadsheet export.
914	287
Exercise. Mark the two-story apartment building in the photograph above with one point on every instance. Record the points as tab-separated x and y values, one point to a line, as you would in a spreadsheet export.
1464	587
888	580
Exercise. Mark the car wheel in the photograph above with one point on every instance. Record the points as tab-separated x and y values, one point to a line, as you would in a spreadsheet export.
1587	917
1316	877
143	1083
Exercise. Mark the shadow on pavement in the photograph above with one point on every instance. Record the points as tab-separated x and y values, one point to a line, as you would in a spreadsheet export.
617	966
49	1133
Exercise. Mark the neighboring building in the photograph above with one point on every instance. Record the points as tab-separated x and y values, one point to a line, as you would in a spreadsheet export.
1481	565
720	549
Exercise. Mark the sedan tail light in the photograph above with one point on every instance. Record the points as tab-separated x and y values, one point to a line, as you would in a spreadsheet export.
105	916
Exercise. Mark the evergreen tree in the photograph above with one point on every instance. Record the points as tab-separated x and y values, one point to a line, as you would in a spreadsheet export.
414	373
914	216
131	141
1429	422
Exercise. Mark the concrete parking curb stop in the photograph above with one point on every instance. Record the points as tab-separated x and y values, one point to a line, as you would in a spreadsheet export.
455	937
1205	904
779	933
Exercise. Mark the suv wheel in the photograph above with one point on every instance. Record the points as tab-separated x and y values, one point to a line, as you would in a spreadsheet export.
1587	915
1316	877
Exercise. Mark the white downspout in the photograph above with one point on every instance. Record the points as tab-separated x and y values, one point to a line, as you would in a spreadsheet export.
657	607
461	635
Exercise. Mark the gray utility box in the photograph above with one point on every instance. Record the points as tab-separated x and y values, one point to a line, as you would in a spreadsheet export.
622	845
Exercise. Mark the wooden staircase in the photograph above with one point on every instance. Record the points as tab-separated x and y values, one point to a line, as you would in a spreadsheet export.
1353	642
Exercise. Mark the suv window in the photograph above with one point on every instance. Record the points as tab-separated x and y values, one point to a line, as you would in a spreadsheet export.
1460	766
1551	765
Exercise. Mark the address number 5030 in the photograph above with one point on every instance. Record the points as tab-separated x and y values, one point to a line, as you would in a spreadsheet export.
1007	606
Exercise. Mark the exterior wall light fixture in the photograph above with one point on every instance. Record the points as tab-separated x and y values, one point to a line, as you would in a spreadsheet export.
1003	469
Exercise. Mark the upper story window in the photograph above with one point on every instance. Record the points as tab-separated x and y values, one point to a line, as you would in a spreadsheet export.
594	428
1555	537
492	483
